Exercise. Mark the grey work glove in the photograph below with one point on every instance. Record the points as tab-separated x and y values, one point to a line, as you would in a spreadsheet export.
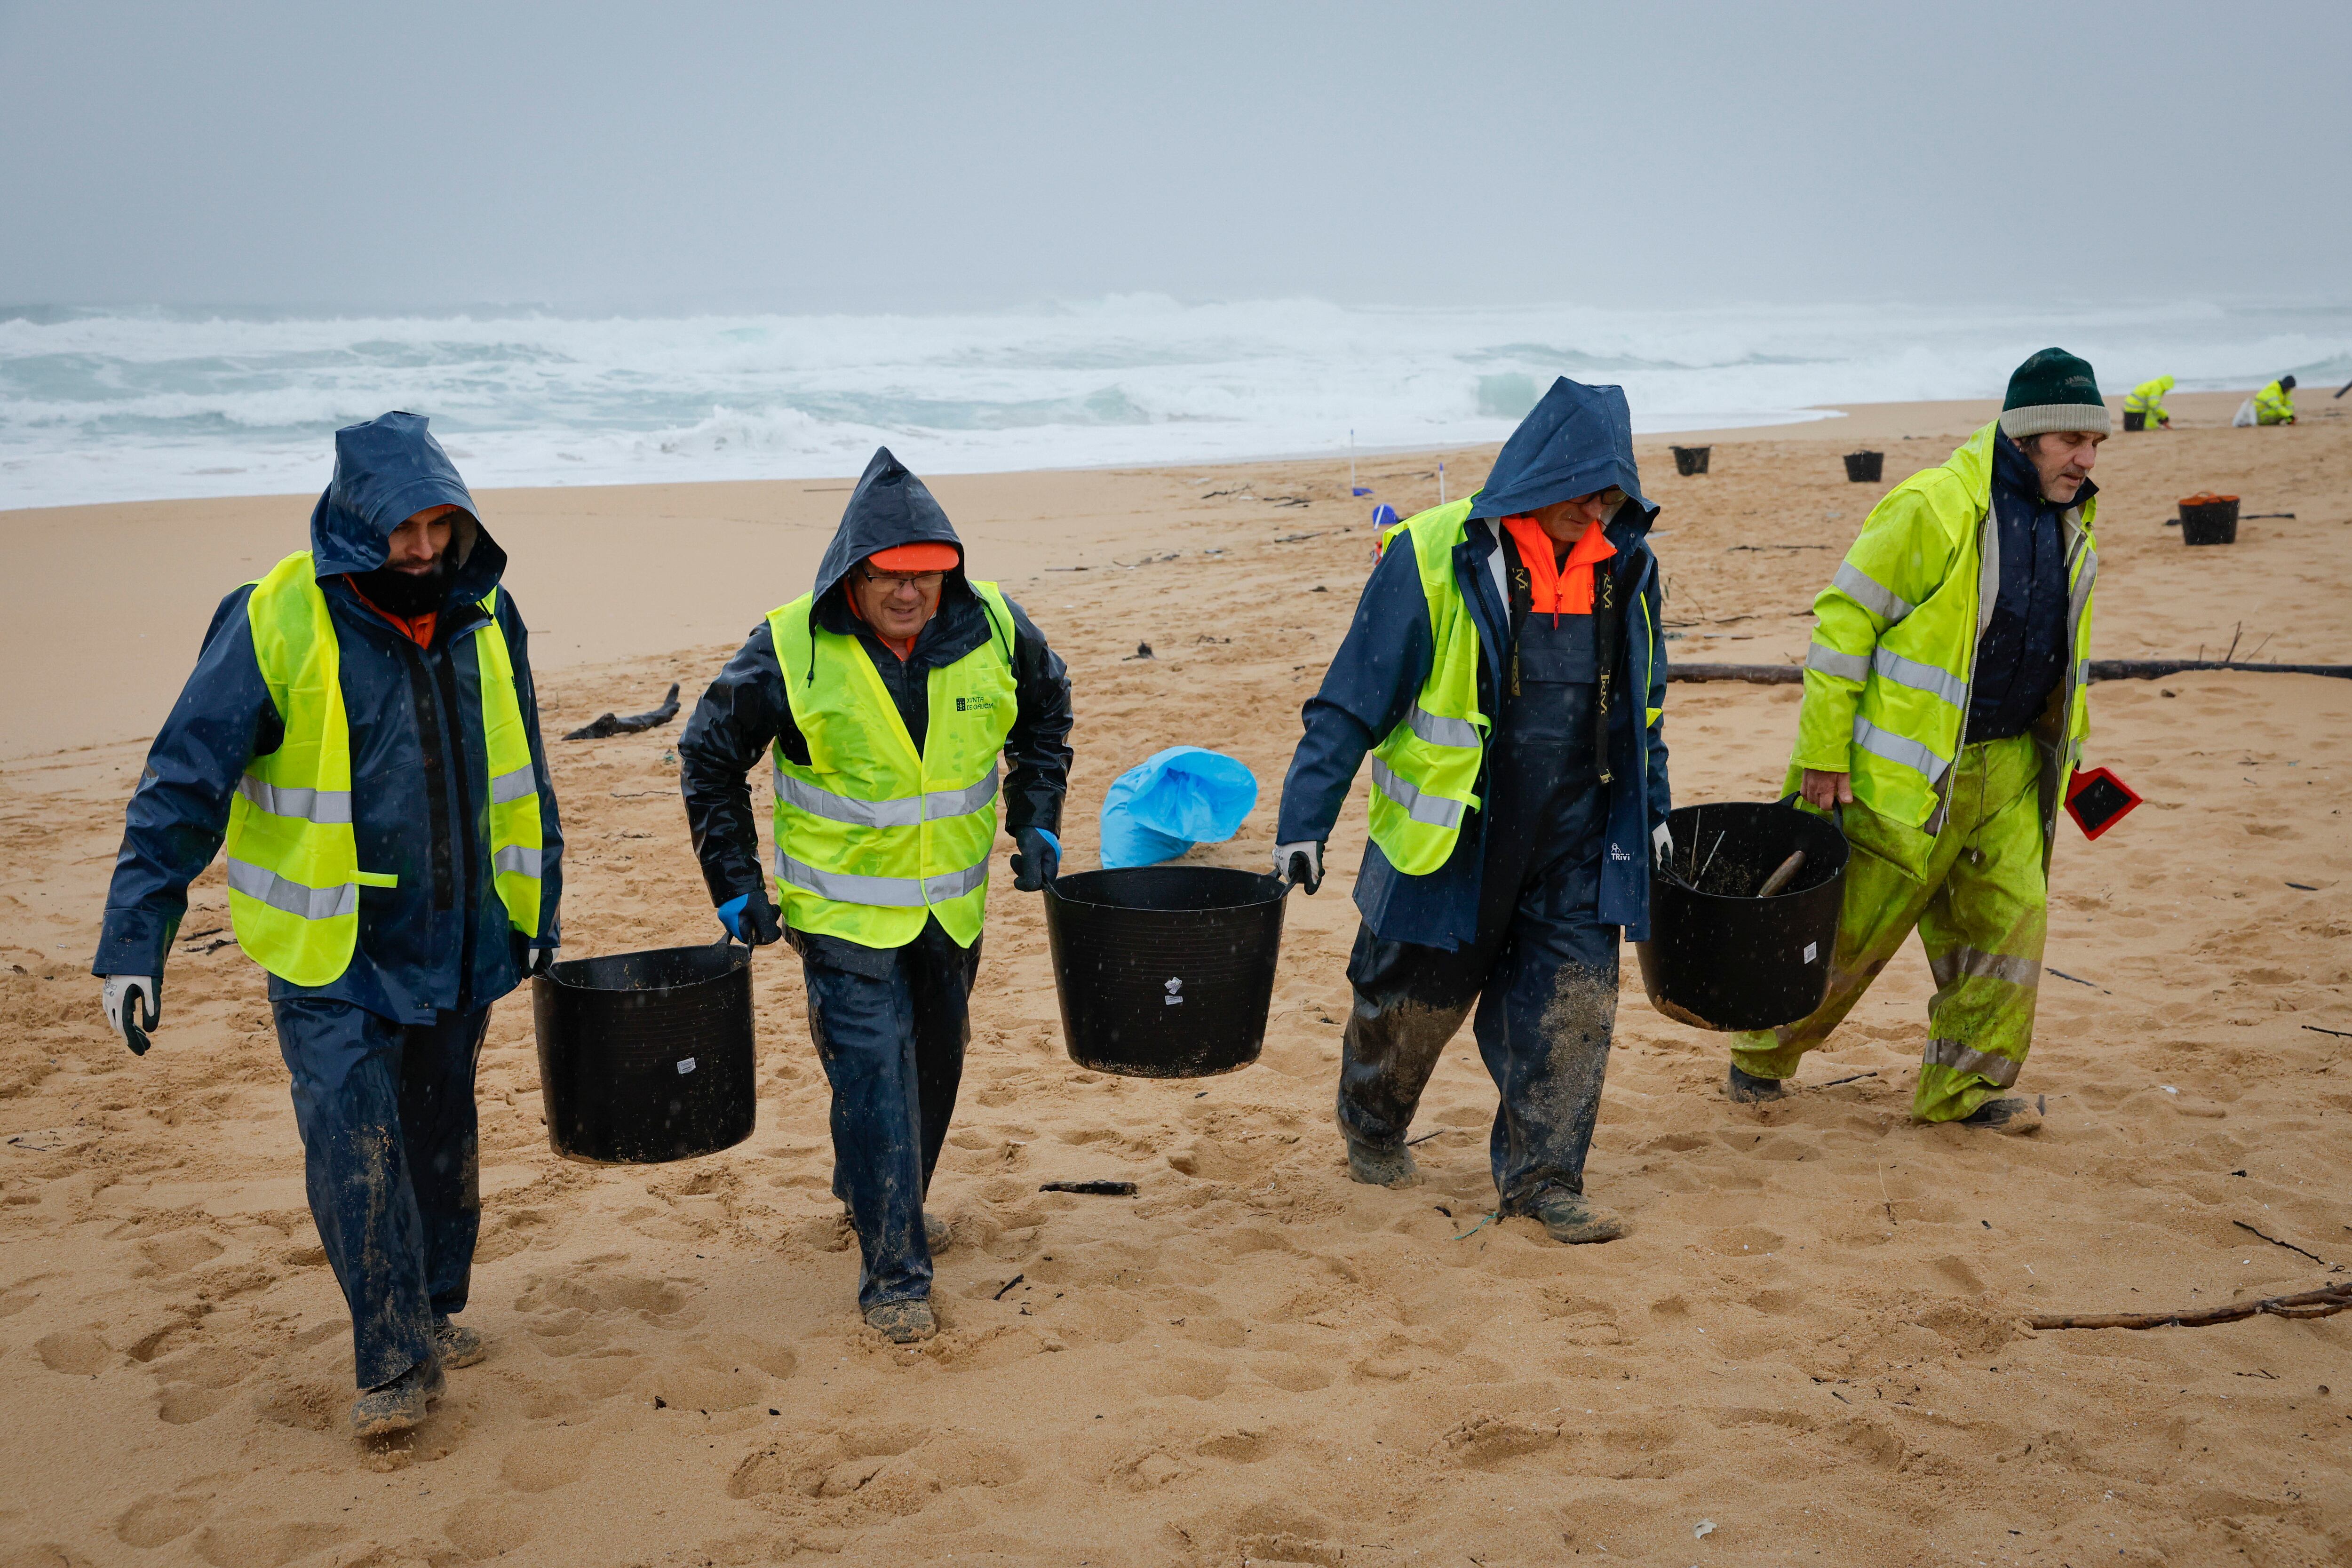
133	1004
1300	864
1039	860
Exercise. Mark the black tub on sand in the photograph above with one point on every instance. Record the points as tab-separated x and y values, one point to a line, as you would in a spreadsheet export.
1864	468
646	1057
1720	958
1164	971
1689	460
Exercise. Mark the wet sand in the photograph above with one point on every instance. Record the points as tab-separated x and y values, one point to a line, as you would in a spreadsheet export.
1811	1340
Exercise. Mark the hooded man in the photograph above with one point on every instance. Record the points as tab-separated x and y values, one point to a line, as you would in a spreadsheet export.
1506	672
2147	401
2275	404
362	727
883	698
1946	705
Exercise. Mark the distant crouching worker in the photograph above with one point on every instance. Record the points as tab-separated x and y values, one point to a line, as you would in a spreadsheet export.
2275	404
1946	706
883	698
2143	406
1507	673
362	726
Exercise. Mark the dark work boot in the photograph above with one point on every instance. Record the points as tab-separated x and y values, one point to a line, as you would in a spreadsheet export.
1572	1219
1745	1089
1381	1167
902	1322
2015	1116
399	1405
458	1347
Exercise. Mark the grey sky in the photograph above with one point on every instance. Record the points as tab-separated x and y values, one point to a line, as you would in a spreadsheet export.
600	156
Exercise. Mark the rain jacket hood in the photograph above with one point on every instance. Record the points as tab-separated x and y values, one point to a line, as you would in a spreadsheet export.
889	508
1578	440
386	471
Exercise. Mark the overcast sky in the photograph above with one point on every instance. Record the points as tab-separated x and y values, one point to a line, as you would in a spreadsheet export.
597	156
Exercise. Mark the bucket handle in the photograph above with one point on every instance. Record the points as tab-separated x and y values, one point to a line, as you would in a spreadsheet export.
1836	812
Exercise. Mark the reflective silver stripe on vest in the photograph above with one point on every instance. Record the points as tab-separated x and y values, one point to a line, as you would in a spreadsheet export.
517	785
1439	731
2081	592
888	892
324	805
1919	677
1858	585
1430	810
293	898
911	812
2023	972
519	857
1829	661
1895	749
1999	1071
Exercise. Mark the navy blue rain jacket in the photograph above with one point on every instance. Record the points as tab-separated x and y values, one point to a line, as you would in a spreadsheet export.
1578	440
420	791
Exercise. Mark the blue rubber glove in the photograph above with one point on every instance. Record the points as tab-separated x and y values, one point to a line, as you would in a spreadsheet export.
754	925
1038	861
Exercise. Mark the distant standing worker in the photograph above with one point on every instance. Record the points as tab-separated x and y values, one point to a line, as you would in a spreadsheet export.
362	724
883	698
2146	400
1507	673
1944	711
2275	404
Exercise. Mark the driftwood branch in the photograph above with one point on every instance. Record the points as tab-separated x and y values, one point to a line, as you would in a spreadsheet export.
2305	1304
2101	669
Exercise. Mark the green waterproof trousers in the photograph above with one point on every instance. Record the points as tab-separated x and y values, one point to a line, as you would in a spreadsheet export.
1982	912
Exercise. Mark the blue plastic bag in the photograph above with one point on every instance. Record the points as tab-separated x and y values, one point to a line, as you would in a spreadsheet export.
1172	801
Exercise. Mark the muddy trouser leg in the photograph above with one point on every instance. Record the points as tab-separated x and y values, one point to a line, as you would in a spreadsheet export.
1881	906
1410	1001
864	1030
440	1123
347	1071
1543	1025
1984	931
940	974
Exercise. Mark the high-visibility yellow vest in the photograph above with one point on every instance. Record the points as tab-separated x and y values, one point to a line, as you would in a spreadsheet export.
872	836
1425	773
2273	405
2148	398
294	877
1893	661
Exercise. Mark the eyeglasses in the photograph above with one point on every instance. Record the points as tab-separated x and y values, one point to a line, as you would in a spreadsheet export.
925	581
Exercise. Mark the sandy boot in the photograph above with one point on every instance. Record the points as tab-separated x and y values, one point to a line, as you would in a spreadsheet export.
902	1322
397	1405
1382	1167
1572	1220
1746	1089
458	1347
938	1233
2015	1116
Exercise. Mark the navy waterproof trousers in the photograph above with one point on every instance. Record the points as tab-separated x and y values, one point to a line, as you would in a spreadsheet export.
392	1164
1543	969
891	1033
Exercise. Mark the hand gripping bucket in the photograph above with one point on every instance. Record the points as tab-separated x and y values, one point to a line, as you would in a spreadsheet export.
646	1057
1864	468
1164	971
1720	958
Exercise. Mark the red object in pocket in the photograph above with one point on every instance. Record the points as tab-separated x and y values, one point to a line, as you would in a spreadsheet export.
2097	800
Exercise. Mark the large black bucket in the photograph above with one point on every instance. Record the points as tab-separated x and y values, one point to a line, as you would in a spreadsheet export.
1689	460
1718	957
2135	420
2209	519
1164	971
646	1057
1864	468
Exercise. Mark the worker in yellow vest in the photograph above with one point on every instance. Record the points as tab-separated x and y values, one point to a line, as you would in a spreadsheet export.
882	700
2275	404
361	729
1947	702
2145	403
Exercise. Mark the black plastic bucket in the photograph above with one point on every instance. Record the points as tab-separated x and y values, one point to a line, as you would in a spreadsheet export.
1164	971
646	1057
2135	420
2210	522
1689	460
1720	958
1864	468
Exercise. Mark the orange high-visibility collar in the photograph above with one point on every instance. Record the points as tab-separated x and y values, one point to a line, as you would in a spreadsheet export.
1559	588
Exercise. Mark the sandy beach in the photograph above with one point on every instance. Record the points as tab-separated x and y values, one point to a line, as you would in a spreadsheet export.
1812	1349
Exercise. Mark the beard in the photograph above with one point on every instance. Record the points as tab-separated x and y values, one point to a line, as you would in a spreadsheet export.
409	593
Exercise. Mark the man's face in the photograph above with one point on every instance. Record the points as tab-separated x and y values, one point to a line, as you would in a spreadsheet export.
2064	459
417	547
1566	521
896	603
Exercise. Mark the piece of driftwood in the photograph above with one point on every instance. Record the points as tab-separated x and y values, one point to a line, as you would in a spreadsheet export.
2303	1304
606	724
2101	669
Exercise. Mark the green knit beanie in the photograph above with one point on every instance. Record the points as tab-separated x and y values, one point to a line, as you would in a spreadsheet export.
2053	391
